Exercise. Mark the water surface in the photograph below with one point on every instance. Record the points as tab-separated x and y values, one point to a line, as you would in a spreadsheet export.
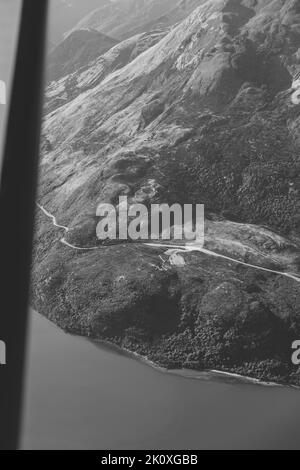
80	396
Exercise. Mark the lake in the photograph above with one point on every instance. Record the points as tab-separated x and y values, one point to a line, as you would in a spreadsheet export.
84	396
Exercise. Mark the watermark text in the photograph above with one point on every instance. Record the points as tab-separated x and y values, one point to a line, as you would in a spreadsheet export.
2	92
296	354
2	353
155	222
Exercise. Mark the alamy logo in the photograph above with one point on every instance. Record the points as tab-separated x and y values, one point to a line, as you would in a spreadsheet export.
157	222
2	92
296	354
296	88
2	353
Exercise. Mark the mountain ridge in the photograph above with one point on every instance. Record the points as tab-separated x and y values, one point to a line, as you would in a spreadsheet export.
141	16
77	50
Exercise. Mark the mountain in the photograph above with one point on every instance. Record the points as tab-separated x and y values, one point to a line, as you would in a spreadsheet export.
122	19
77	50
170	18
207	114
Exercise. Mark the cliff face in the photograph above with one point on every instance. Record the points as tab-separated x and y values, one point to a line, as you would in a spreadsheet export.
206	112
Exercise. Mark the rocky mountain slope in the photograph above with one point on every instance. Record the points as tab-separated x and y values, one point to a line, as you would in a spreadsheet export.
206	114
70	86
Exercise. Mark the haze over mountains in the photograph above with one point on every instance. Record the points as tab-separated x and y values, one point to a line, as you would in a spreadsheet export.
64	14
196	108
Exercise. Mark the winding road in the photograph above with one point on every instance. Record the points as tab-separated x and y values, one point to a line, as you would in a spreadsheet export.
179	248
66	229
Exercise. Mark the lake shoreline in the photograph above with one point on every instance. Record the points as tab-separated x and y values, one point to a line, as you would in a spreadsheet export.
215	375
80	397
205	375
